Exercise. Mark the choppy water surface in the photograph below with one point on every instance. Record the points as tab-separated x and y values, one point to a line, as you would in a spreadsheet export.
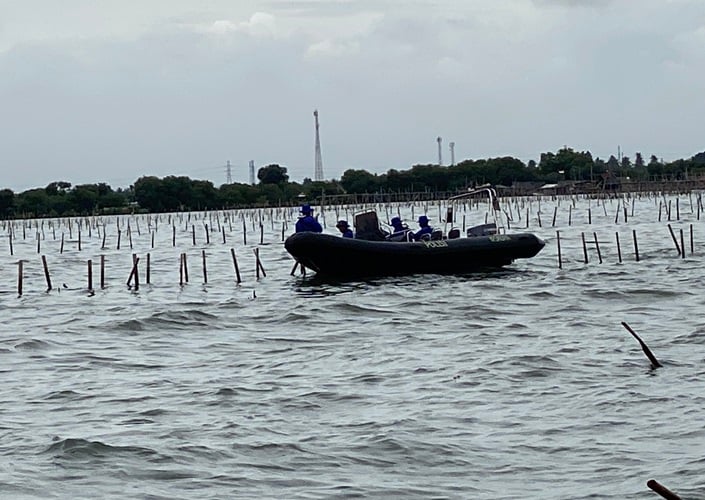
519	383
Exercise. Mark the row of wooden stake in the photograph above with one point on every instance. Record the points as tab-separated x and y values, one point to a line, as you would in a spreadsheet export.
680	248
133	281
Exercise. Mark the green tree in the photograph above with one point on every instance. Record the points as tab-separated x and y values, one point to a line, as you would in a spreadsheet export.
272	174
359	181
7	202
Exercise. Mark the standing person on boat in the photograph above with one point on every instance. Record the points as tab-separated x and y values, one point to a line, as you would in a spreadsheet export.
425	228
307	221
344	228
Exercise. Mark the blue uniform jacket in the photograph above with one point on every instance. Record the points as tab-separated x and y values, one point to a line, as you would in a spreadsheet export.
309	224
424	230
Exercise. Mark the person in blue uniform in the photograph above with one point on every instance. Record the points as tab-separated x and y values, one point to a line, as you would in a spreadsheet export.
397	224
425	228
400	230
307	221
344	228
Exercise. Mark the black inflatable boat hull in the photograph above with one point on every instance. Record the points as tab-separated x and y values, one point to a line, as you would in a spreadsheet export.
336	256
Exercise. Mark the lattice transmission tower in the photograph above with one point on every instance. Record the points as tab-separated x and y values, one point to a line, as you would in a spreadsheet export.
318	174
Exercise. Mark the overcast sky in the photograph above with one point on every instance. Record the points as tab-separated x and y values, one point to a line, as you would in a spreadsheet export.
110	90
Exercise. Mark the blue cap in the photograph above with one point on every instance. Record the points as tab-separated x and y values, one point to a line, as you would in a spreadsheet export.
306	209
423	219
342	223
395	221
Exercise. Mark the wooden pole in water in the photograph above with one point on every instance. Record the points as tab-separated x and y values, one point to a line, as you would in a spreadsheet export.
193	234
46	272
223	228
597	247
102	272
237	268
570	214
61	250
256	251
244	232
678	210
136	274
181	270
102	246
654	362
589	216
208	236
118	240
675	241
185	267
555	211
660	489
619	250
12	252
205	273
682	245
636	246
19	277
691	240
173	235
90	275
558	242
39	242
149	271
79	238
582	235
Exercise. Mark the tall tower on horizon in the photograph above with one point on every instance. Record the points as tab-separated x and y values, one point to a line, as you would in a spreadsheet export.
440	158
318	173
452	154
252	172
228	174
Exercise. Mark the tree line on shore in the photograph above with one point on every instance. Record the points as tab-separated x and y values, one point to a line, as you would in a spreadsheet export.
180	193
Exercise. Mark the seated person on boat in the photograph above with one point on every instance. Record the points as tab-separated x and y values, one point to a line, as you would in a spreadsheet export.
344	228
425	229
400	230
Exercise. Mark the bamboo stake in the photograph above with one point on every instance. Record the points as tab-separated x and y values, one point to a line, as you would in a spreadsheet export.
675	241
102	272
149	272
597	247
90	275
46	272
682	245
558	242
61	250
237	268
19	277
662	490
582	235
619	250
636	247
654	362
205	272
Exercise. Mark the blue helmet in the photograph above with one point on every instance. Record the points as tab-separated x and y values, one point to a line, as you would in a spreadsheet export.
306	209
423	220
342	223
